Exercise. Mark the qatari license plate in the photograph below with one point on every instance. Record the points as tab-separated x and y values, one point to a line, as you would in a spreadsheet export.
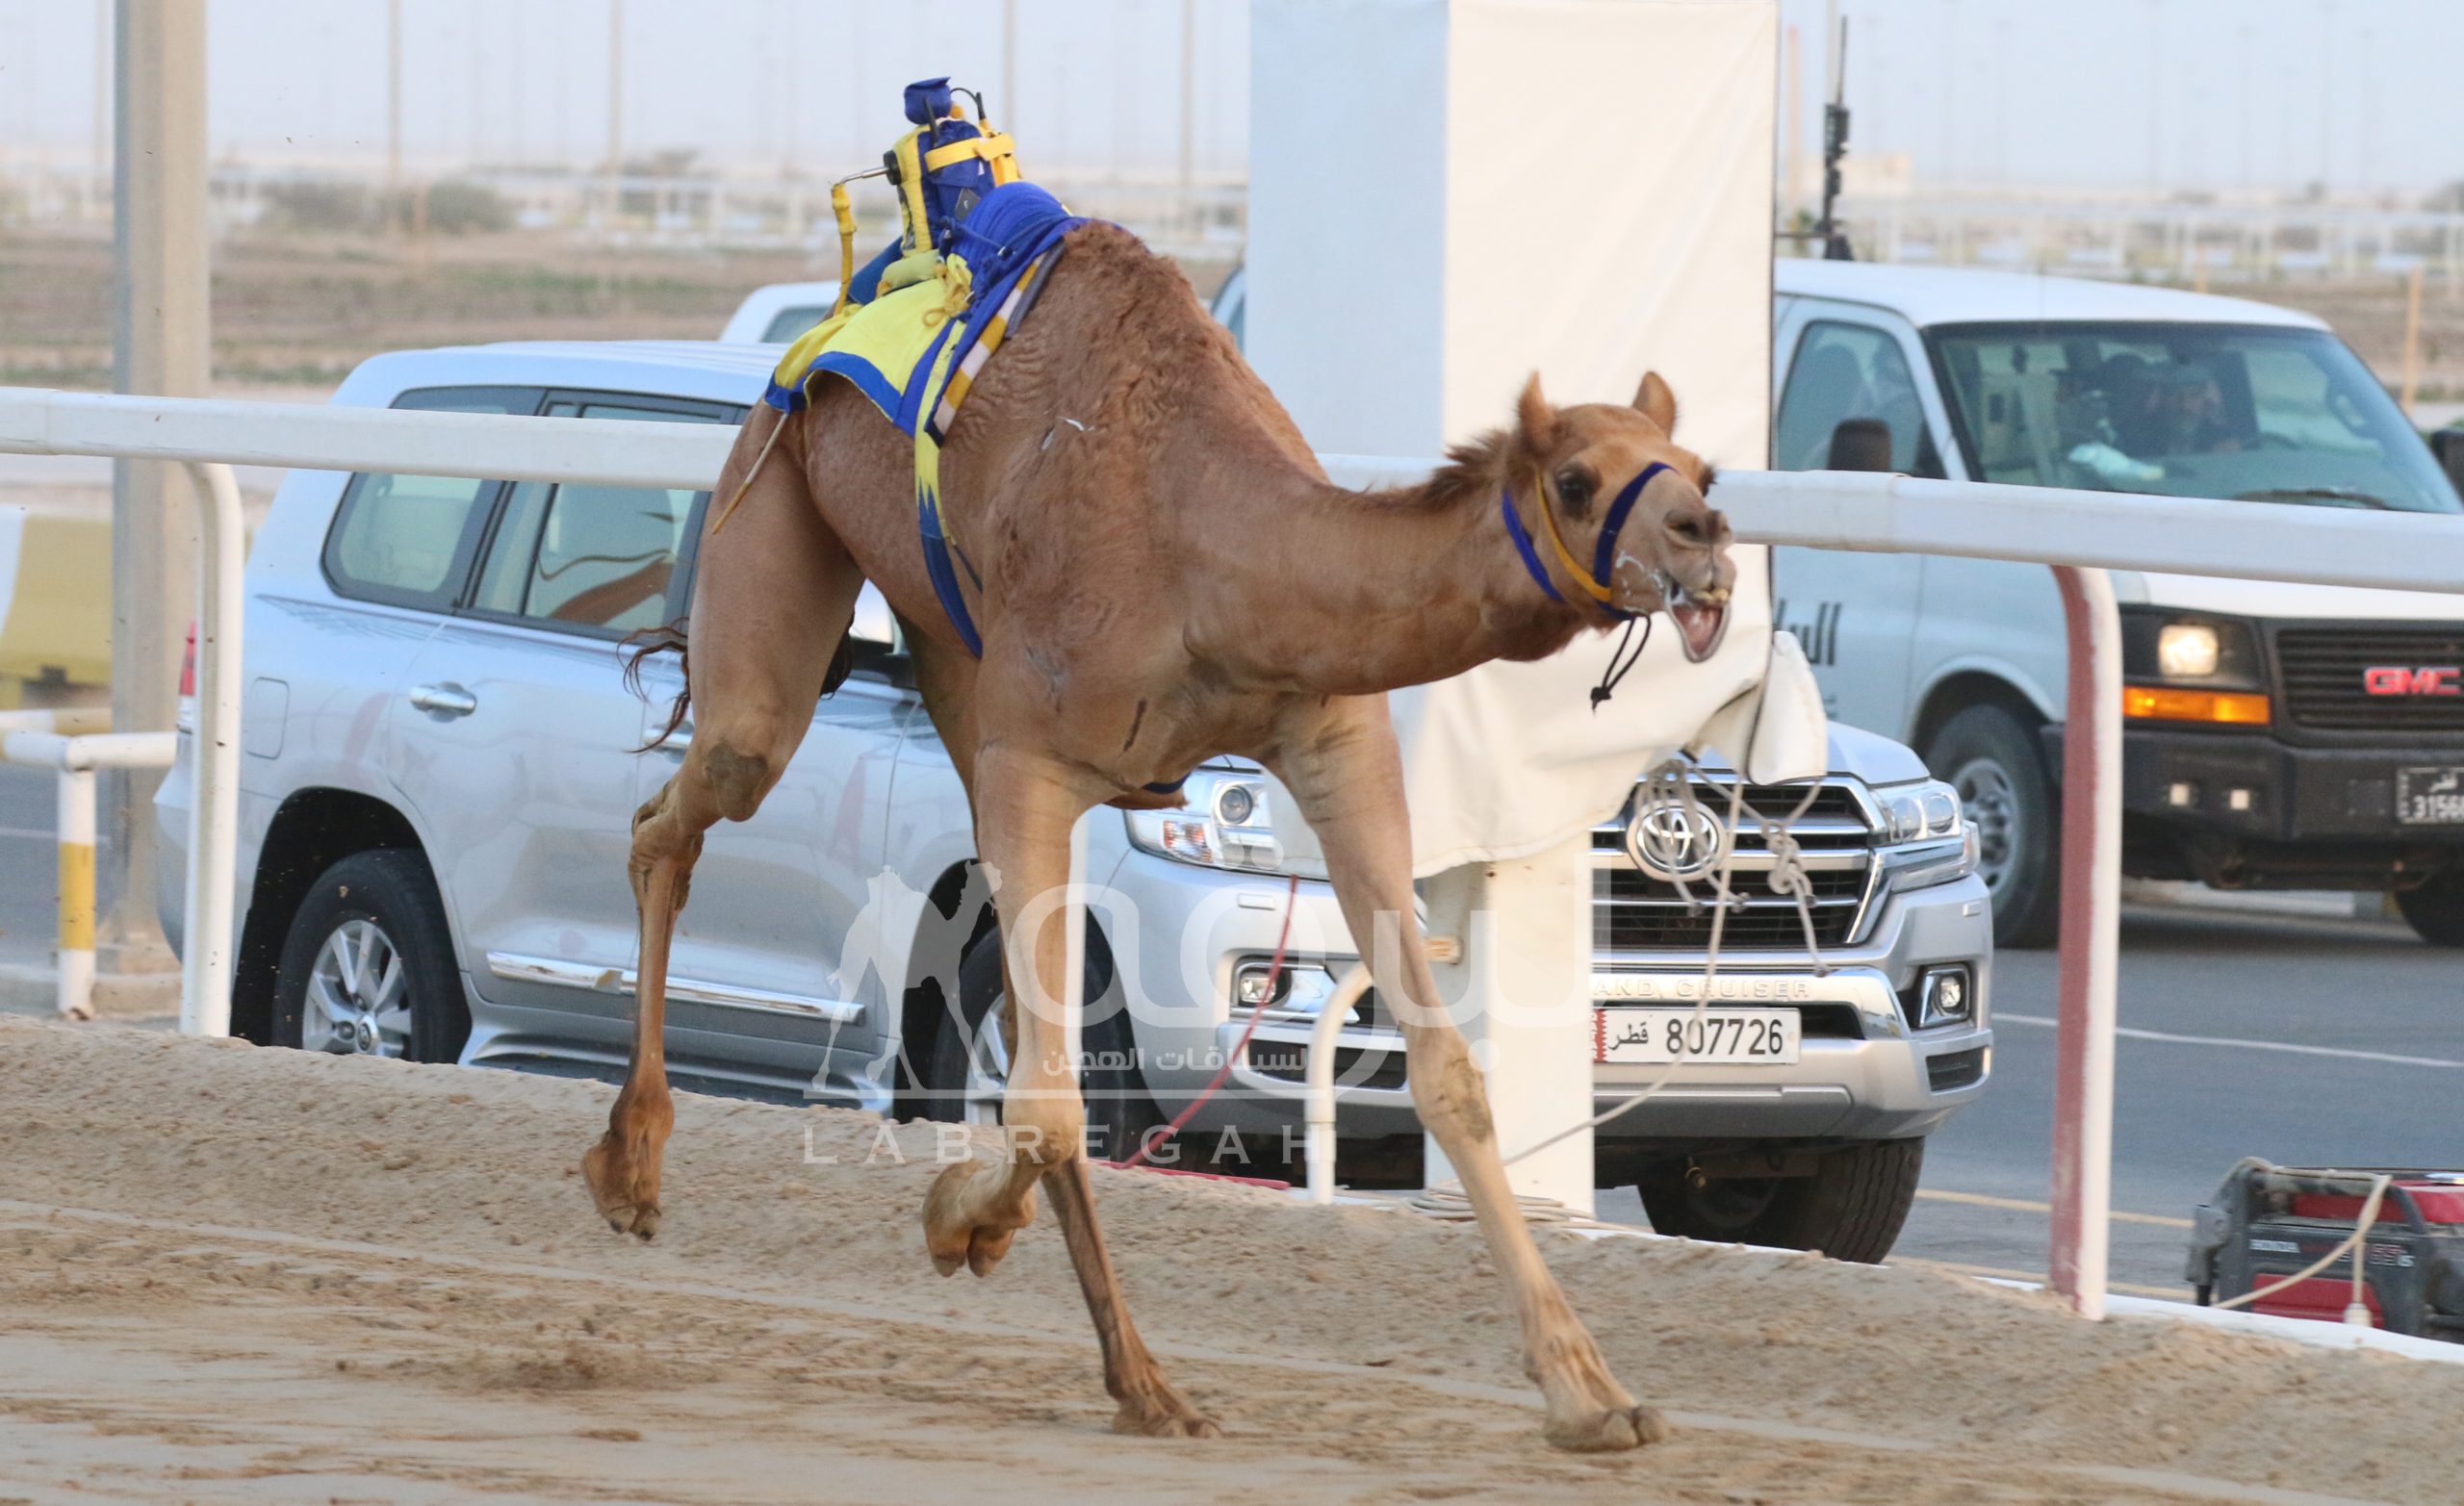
1736	1037
2429	796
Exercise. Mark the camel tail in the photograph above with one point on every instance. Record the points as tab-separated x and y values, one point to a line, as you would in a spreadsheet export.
640	644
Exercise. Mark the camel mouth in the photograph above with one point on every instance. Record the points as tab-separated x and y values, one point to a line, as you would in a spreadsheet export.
1700	625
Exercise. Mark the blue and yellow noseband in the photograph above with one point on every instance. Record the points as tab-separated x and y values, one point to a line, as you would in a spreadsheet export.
1594	582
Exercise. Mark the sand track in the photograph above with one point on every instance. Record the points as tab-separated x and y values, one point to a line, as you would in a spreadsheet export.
233	1274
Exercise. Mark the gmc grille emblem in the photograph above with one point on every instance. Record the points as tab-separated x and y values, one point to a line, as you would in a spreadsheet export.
2396	681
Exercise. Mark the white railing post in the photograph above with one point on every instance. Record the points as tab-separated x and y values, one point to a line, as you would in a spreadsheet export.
214	804
35	737
2082	1075
76	841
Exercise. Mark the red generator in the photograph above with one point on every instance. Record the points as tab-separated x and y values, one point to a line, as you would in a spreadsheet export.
2268	1224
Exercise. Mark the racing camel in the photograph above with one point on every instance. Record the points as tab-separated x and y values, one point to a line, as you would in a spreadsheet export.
1166	575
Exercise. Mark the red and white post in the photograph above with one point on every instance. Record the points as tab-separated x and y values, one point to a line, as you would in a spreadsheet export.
2083	1080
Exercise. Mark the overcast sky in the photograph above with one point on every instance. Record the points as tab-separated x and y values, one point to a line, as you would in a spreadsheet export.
2122	93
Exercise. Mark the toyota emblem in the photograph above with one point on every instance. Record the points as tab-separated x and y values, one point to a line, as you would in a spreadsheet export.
1674	840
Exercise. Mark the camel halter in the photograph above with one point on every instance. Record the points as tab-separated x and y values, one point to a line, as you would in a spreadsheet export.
1592	582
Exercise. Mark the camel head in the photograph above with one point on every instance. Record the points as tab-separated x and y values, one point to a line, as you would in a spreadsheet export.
1620	508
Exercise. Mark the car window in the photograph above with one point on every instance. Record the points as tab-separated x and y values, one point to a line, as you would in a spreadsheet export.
787	323
2253	412
591	558
1845	372
407	539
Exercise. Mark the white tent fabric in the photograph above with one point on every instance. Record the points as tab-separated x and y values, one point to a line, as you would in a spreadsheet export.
1589	194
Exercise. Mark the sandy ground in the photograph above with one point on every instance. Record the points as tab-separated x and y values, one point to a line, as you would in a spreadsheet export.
236	1274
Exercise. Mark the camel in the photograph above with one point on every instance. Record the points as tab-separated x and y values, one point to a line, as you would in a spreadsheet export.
1166	575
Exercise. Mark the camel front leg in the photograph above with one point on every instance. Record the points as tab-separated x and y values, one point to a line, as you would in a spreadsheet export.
1341	763
1024	808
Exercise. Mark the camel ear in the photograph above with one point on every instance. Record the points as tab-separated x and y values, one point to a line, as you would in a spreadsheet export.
1535	418
1655	402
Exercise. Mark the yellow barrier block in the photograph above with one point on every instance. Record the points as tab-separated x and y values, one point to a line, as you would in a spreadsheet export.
76	896
55	598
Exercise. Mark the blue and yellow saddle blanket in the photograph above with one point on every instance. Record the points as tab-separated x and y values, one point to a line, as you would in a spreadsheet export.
919	322
929	339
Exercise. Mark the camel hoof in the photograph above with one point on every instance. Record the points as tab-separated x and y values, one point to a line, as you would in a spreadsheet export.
624	1200
642	1222
952	1238
1173	1417
1610	1430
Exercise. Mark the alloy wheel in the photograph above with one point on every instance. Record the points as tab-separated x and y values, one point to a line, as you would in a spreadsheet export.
358	998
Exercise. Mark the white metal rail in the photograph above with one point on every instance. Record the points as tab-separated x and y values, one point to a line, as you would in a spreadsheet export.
2079	533
76	741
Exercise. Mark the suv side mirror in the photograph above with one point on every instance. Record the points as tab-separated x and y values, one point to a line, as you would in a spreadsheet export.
2447	444
1860	444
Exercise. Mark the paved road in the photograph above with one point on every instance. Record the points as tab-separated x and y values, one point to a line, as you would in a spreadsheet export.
29	865
2308	1042
2305	1041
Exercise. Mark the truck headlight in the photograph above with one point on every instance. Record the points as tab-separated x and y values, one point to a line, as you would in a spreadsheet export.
1925	839
2164	647
2188	650
1223	822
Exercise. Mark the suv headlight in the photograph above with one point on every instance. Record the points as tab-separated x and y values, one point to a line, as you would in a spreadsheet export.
1924	838
1223	822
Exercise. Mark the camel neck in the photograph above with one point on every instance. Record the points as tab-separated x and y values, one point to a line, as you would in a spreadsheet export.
1393	588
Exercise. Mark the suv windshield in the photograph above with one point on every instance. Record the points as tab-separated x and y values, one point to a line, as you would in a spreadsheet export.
2249	412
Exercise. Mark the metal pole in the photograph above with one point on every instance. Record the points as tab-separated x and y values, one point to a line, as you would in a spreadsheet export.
615	109
214	812
159	345
1010	64
2083	1077
393	110
99	165
1189	100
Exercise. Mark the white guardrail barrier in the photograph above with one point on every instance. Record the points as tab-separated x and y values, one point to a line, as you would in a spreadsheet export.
77	742
2078	533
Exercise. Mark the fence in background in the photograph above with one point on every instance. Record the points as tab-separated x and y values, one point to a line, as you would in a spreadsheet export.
77	743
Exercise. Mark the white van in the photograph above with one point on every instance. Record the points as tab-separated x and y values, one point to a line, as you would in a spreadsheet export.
2282	736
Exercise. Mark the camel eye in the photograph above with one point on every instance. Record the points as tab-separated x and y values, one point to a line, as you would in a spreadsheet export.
1576	488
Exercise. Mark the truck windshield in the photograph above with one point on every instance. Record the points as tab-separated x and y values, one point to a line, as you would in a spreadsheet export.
2247	412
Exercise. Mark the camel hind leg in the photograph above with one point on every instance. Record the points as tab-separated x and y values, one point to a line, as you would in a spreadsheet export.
772	594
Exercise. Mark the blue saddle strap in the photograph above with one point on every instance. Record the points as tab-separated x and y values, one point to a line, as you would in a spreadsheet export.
944	575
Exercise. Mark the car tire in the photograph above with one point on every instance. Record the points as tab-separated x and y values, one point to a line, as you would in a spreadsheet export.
1851	1207
1992	758
367	966
963	1083
2435	910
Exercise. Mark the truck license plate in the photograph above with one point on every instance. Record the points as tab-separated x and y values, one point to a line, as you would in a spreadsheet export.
2429	796
1746	1037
